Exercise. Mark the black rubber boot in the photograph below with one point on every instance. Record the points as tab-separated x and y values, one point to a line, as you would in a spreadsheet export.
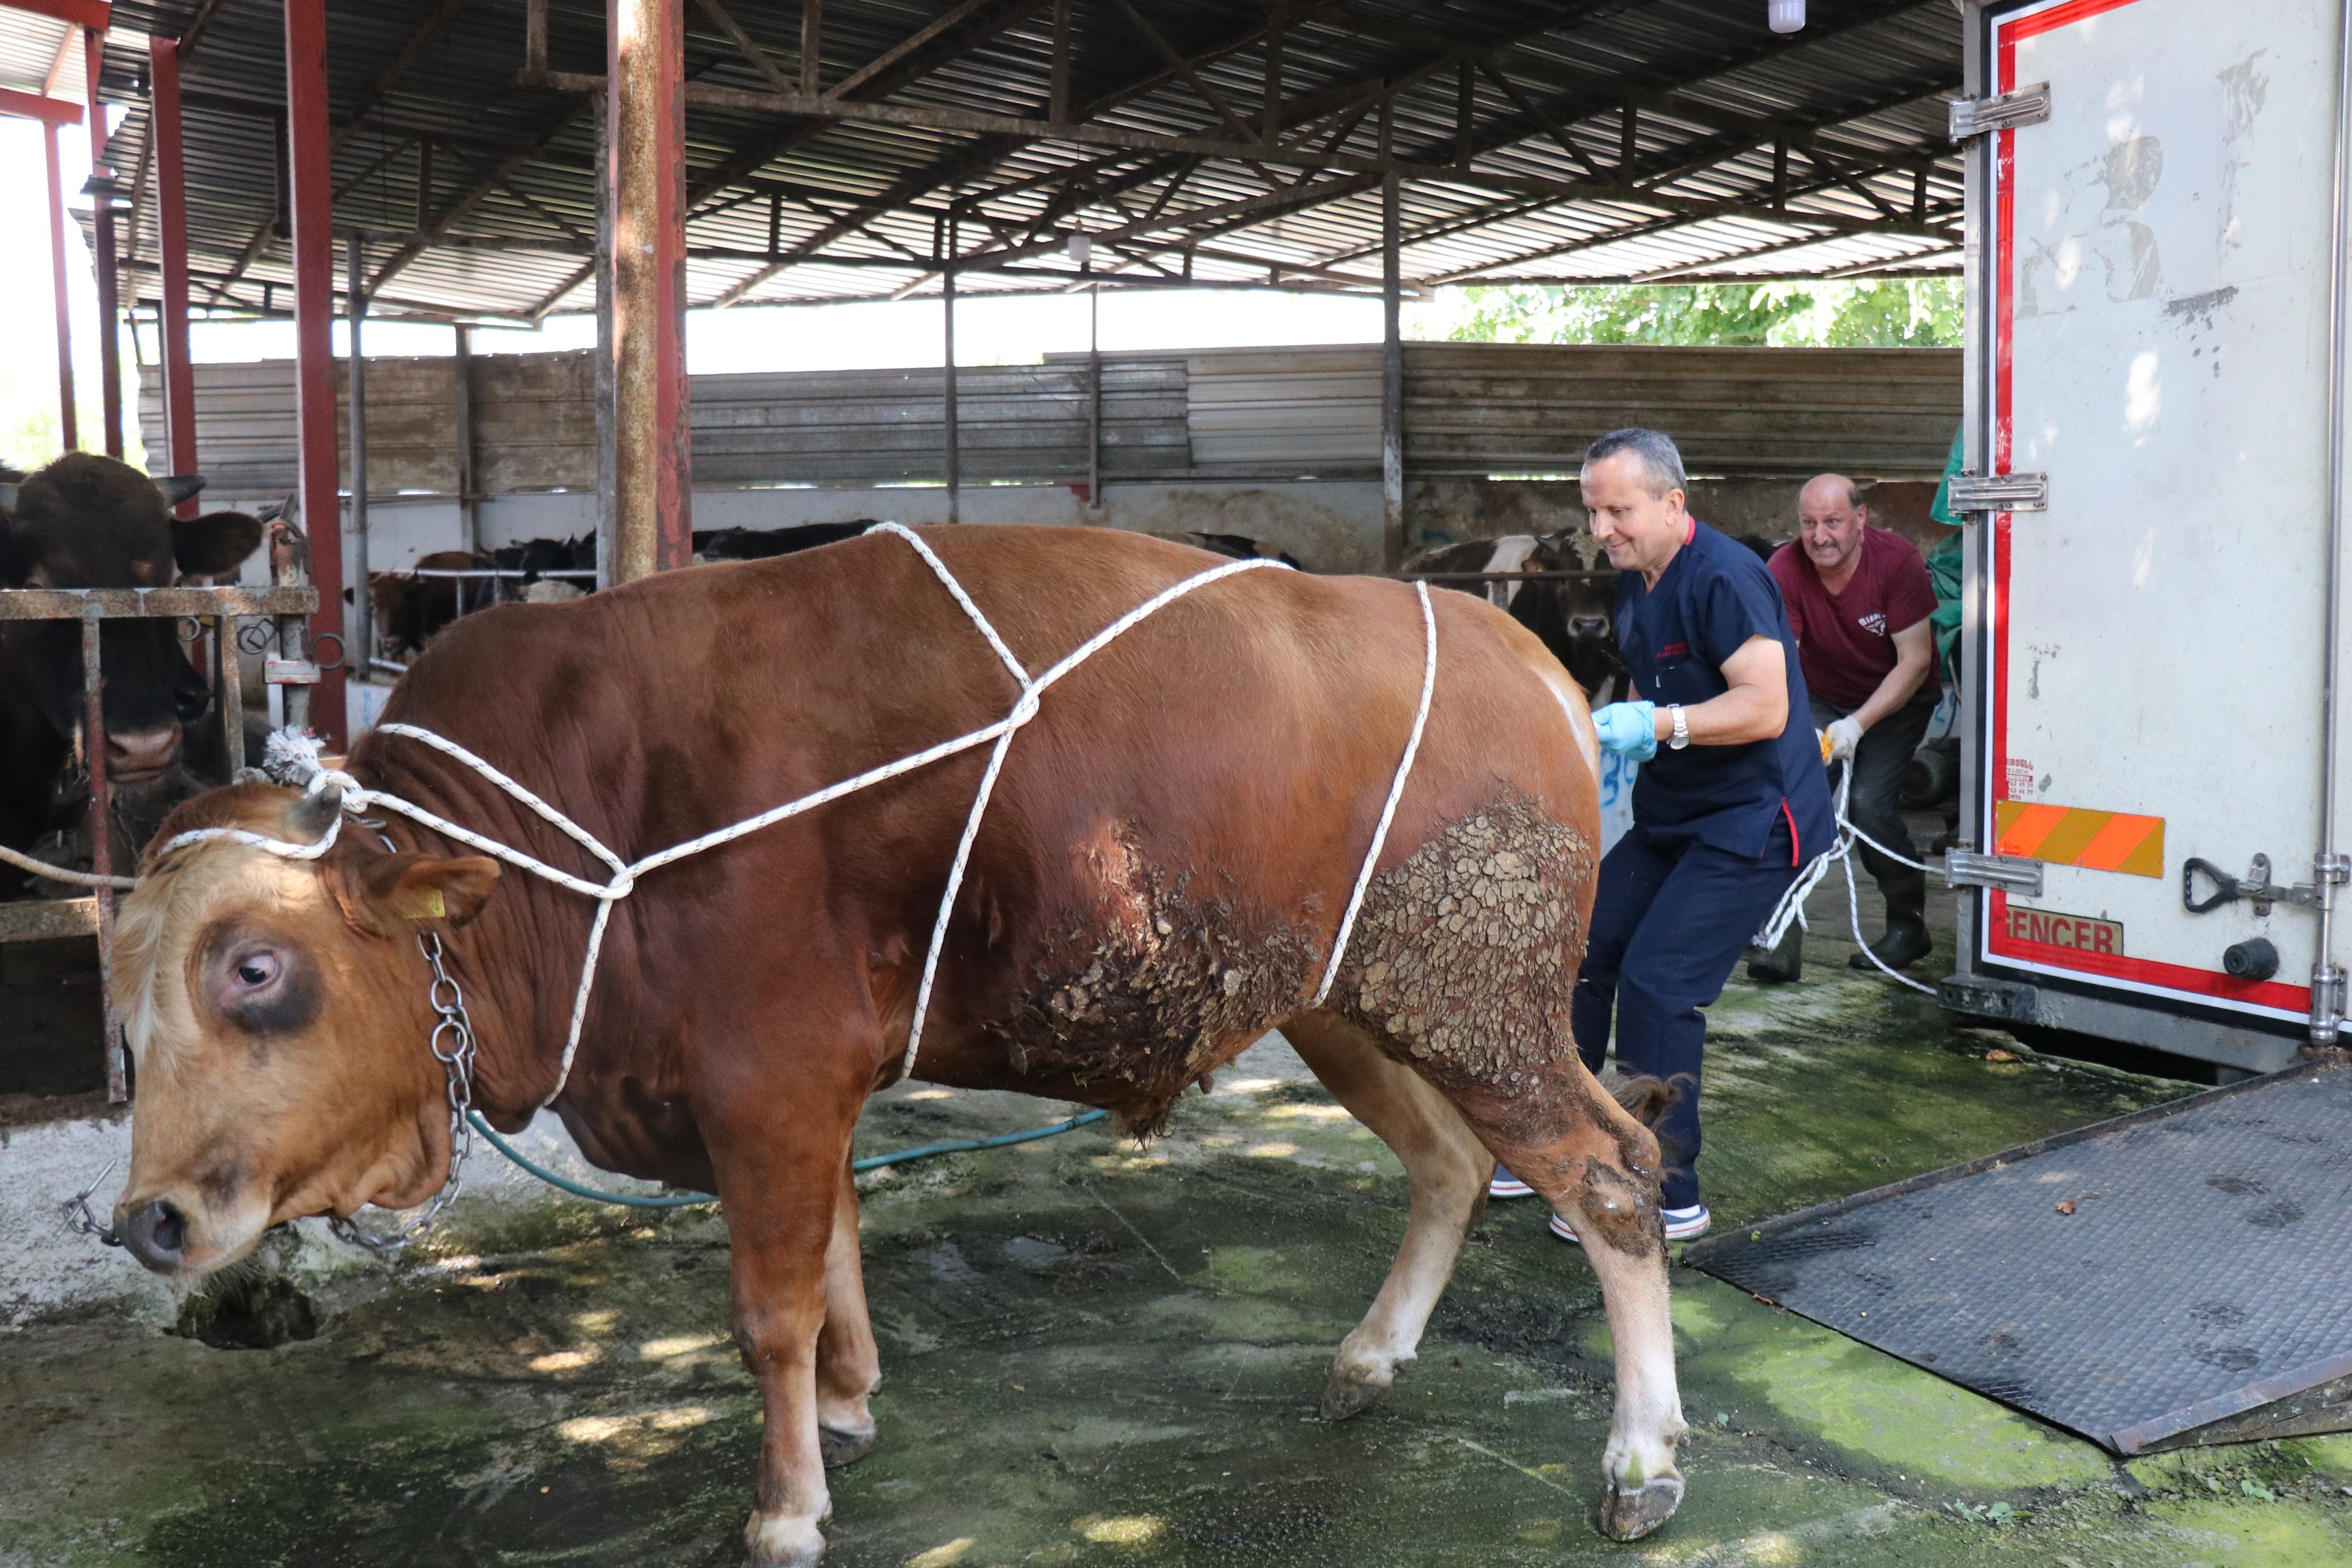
1783	966
1906	940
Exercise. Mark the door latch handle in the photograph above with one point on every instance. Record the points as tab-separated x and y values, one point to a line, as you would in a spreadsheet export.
2256	888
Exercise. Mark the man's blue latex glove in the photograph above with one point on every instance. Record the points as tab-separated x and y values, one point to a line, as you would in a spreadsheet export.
1629	729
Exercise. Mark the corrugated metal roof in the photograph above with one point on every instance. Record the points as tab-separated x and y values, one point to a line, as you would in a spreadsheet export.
1589	141
30	48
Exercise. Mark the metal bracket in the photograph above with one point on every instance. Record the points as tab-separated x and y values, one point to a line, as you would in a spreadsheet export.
289	671
1980	115
1982	996
1965	868
1998	492
2256	888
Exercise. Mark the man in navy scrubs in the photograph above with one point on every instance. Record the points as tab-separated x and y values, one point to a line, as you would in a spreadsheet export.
1731	800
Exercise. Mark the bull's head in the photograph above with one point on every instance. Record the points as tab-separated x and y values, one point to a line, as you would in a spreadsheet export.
278	1014
87	521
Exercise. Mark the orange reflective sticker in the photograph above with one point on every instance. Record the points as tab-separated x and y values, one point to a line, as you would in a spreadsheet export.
2071	836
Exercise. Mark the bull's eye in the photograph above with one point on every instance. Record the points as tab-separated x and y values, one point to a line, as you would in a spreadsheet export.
256	970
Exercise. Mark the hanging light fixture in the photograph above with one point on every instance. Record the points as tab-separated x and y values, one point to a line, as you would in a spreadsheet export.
1785	15
1082	249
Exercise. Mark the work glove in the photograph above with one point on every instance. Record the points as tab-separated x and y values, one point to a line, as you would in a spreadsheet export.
1629	729
1841	738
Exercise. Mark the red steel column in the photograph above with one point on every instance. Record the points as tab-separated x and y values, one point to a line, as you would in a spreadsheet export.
314	343
646	117
68	427
172	229
109	303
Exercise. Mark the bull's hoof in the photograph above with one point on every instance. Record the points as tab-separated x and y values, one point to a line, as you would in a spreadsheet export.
843	1446
781	1540
1628	1515
1351	1391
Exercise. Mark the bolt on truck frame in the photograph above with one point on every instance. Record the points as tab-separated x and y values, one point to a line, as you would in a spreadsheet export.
2155	506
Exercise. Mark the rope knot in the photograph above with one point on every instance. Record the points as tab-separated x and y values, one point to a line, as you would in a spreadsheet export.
290	757
624	883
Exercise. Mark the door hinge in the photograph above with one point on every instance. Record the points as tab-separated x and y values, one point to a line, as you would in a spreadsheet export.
2004	111
1998	492
1965	868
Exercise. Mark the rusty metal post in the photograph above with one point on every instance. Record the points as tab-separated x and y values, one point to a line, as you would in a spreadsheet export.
172	252
1392	381
607	539
102	258
229	686
954	454
313	195
101	850
461	420
69	427
1094	398
361	657
646	115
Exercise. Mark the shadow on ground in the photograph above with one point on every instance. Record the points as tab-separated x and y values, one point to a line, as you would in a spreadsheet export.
1097	1356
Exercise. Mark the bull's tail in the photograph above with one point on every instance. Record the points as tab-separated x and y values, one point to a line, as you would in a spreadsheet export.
1647	1098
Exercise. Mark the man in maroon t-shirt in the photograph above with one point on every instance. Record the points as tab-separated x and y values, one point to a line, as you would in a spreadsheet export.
1859	599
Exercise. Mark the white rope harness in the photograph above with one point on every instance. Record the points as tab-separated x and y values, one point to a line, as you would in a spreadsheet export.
294	758
48	872
1790	911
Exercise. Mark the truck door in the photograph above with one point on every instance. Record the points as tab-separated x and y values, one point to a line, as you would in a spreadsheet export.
2151	332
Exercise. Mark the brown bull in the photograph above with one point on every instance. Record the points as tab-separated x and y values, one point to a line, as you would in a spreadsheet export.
1157	882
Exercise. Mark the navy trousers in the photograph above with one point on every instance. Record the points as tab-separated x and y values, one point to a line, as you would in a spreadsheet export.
1669	920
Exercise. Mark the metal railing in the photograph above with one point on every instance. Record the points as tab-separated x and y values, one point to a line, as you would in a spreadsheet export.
286	607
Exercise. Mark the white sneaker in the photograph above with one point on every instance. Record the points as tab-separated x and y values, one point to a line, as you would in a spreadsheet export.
1682	1225
1506	1186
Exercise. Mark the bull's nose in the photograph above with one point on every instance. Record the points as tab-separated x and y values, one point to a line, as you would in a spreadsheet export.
1588	625
156	1236
131	753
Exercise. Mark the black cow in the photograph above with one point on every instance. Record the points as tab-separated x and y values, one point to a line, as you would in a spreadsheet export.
409	609
1572	616
88	521
761	543
1241	547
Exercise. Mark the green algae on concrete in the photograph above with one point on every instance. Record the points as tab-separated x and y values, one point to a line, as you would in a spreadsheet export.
1095	1355
1889	1419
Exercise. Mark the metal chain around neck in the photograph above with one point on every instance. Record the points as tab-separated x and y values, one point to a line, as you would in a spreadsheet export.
453	1047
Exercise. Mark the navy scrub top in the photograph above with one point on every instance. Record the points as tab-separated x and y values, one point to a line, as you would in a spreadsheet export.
1713	596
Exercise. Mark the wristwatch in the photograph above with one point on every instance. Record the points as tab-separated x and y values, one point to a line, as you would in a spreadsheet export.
1681	728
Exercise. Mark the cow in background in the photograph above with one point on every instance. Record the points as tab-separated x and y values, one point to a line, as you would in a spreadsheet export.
1241	547
410	607
1573	616
765	544
90	521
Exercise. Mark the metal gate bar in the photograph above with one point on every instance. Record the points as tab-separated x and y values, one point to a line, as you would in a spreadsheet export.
288	604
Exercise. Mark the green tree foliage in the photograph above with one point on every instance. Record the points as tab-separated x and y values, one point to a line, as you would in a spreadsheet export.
1896	312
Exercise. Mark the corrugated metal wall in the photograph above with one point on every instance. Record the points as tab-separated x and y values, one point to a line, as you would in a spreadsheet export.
1287	413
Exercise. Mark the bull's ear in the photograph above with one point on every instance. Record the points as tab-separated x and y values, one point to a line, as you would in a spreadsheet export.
410	889
215	544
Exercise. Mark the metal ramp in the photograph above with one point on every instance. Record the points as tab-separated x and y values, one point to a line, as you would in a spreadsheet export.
2176	1277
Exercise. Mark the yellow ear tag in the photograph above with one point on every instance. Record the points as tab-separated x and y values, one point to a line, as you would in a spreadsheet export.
423	904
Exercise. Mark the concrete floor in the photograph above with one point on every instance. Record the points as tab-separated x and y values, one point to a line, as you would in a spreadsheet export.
1097	1356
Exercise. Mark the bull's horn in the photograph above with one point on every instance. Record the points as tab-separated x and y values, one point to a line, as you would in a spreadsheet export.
314	815
179	488
270	512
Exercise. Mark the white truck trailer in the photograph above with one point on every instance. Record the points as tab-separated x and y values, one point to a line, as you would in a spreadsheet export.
2155	446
